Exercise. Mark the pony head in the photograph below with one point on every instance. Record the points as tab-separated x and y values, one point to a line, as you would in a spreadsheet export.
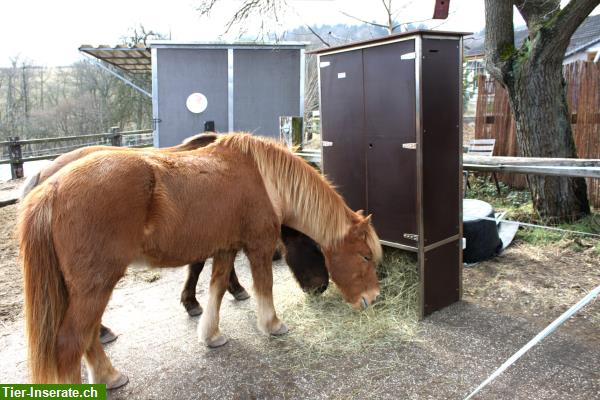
351	263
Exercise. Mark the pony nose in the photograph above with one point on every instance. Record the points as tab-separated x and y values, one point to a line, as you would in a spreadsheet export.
368	298
364	302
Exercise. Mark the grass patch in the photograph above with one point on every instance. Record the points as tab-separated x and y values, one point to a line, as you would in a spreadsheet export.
325	325
538	237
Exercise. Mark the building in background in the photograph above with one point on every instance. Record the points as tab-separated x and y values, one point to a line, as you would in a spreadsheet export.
220	86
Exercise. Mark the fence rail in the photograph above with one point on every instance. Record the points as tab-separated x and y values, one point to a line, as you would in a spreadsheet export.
16	157
571	167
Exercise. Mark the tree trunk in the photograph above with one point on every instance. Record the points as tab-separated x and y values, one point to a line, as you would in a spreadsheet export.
533	77
544	130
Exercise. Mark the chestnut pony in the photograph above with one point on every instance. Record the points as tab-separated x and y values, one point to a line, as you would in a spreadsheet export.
80	229
302	254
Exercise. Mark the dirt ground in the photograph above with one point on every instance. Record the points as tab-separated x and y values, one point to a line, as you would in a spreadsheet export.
530	284
539	283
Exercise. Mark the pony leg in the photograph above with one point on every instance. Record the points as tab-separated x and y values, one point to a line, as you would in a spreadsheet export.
100	369
262	275
234	287
208	328
188	295
80	327
106	335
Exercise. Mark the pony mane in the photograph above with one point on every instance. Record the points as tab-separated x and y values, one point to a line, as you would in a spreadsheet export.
196	141
312	195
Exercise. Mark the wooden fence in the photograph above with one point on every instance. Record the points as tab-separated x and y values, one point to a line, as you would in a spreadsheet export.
16	151
494	119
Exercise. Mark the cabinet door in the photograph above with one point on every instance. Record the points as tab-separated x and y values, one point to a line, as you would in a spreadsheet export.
441	139
342	119
389	85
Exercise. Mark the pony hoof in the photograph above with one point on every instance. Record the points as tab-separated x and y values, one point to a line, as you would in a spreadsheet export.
241	295
216	342
106	335
283	329
121	380
194	311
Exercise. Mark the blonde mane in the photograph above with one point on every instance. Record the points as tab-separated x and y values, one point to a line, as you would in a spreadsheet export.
309	193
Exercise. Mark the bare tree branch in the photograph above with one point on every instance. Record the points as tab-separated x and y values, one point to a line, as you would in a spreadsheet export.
391	26
317	35
263	9
206	6
364	21
535	12
388	10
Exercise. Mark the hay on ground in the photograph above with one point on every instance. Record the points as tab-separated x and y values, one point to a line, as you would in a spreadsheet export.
325	325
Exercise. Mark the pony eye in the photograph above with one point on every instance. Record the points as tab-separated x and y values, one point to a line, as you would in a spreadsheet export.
367	258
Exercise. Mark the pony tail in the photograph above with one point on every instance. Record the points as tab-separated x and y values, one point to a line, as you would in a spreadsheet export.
30	183
46	296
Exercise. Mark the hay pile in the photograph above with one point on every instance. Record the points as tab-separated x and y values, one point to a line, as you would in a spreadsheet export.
325	325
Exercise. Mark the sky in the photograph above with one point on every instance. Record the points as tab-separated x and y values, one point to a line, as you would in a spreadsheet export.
48	33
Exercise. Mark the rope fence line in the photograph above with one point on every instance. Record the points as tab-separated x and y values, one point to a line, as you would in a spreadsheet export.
535	226
555	324
538	338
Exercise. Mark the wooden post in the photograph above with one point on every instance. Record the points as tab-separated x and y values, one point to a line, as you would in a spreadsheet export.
16	162
290	132
116	139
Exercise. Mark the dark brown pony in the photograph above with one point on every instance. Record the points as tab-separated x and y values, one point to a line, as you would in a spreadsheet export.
309	270
302	255
81	228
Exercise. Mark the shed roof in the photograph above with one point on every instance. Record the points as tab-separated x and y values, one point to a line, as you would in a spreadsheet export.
225	45
138	59
135	60
384	39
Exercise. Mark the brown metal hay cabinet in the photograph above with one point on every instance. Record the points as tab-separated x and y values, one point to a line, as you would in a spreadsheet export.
391	114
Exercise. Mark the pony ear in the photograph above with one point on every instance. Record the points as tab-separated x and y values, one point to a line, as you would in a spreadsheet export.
360	228
361	213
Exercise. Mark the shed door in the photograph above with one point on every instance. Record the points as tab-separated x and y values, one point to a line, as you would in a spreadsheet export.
389	85
342	125
180	73
441	139
265	87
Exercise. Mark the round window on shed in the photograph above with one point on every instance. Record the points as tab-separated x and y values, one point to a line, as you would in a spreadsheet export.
196	103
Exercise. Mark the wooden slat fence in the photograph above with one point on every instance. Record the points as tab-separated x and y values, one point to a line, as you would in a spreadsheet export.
494	120
18	151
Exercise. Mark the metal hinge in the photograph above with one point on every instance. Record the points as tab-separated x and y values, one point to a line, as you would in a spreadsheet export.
410	146
326	143
408	56
411	236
